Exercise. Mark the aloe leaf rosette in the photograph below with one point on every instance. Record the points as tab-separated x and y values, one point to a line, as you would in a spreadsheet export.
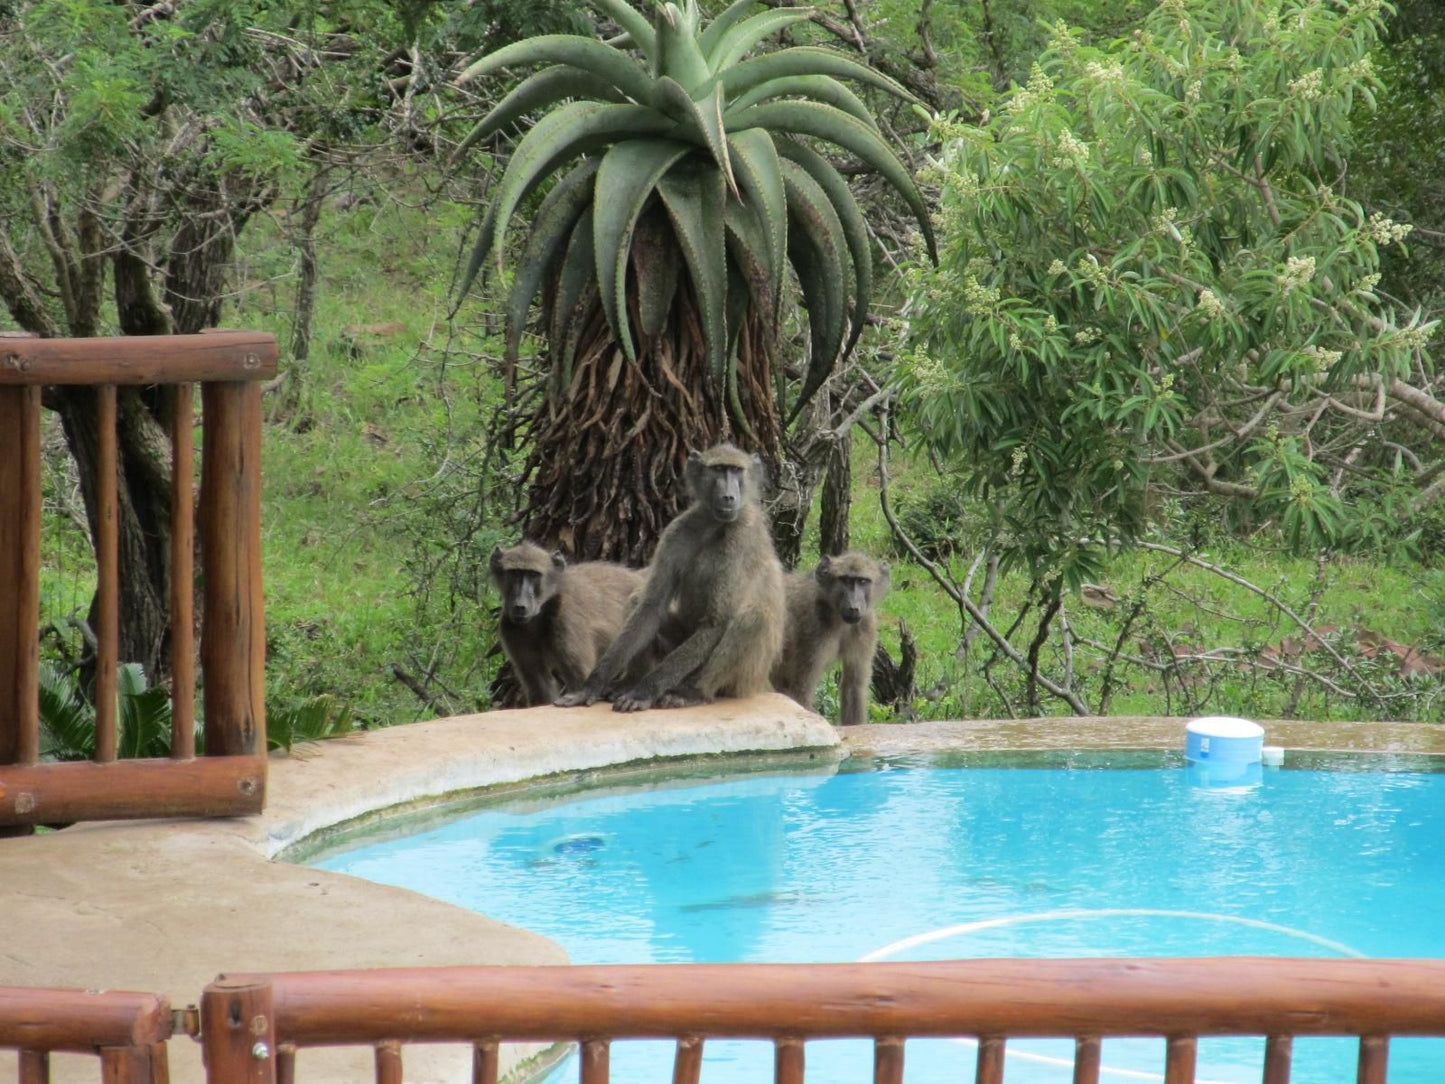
678	126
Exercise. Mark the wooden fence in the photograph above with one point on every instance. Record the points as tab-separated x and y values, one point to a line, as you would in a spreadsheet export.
127	1032
253	1025
230	779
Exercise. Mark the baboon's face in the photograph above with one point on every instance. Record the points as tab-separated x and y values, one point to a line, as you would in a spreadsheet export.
521	594
719	479
853	583
527	577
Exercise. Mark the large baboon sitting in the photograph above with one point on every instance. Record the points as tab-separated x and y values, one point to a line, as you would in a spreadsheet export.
830	616
557	619
714	589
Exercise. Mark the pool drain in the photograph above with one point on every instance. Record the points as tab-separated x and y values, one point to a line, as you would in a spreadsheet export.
578	844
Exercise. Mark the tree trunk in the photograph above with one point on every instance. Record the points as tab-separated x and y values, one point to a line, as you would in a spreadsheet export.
837	502
607	450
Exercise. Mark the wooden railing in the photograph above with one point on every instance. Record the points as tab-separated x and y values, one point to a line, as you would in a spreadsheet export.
252	1025
126	1031
230	779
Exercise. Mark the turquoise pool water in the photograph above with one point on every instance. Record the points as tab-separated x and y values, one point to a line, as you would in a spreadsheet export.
929	862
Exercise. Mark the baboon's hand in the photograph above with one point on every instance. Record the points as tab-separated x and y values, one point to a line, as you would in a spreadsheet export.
632	700
582	698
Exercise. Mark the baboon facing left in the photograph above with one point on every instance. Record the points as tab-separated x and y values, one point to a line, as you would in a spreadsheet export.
830	616
557	619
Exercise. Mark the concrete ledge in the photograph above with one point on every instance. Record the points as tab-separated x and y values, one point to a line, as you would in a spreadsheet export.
1128	732
167	906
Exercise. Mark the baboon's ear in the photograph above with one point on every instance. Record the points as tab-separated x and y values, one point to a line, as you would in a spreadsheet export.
559	562
495	561
694	456
884	579
824	572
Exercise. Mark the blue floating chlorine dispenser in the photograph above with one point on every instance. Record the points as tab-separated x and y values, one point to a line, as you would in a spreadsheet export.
1222	749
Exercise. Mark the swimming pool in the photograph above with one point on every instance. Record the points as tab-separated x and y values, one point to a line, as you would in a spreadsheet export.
909	861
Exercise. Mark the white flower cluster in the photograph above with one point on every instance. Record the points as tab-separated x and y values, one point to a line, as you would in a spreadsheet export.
1112	73
1088	267
1016	461
1210	306
1058	268
1361	69
1322	360
928	374
1193	91
978	299
1309	87
1036	89
1073	151
1086	336
1298	270
1383	231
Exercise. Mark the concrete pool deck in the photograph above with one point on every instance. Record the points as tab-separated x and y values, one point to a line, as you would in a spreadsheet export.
166	906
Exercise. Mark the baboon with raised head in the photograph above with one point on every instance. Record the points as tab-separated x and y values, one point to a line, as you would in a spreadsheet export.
830	616
714	589
558	619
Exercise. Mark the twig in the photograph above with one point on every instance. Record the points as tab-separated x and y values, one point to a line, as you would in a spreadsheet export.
967	604
1274	601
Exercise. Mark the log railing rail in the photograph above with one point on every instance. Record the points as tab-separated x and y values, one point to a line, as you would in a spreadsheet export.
126	1031
230	779
1179	1000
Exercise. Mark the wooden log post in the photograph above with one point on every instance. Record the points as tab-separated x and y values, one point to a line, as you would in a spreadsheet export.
19	573
238	1032
107	573
183	573
233	636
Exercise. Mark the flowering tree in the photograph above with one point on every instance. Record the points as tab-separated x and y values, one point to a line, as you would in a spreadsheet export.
1154	285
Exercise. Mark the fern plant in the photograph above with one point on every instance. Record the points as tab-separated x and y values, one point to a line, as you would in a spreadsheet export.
689	185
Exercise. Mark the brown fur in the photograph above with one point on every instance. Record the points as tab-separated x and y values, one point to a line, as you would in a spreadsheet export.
557	619
715	590
831	616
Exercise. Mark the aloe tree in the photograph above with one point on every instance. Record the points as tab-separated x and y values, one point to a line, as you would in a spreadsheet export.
684	183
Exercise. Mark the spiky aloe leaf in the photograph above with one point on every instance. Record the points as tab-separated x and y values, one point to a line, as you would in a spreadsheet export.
576	284
701	119
633	22
748	248
835	126
678	56
855	229
535	92
815	247
694	194
586	54
656	264
551	231
726	20
736	42
805	60
626	180
818	88
762	179
563	134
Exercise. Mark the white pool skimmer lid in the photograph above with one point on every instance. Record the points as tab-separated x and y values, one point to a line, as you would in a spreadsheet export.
1218	739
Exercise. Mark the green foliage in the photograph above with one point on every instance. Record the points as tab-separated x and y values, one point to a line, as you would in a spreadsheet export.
67	720
690	147
314	719
1151	283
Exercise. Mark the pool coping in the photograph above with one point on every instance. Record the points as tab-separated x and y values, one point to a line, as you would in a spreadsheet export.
115	905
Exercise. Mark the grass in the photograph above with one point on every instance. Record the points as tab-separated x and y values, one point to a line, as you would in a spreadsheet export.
369	455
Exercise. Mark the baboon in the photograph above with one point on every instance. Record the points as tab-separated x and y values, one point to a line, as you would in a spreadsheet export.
830	616
557	619
714	590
